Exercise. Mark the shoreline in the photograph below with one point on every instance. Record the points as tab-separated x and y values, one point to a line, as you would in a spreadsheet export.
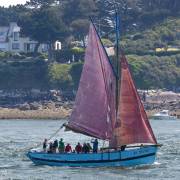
154	101
49	114
45	114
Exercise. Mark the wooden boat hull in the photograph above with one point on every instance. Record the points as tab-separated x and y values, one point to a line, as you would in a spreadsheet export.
129	157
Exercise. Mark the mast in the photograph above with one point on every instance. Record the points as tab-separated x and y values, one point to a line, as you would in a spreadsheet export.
117	62
117	28
114	139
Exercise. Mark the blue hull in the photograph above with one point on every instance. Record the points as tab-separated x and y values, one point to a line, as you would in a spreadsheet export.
129	157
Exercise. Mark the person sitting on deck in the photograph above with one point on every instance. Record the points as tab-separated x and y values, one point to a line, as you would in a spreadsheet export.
68	148
85	148
95	146
44	145
61	146
78	148
55	145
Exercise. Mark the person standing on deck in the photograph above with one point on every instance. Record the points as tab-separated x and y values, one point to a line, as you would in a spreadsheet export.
50	148
44	145
61	146
95	146
55	145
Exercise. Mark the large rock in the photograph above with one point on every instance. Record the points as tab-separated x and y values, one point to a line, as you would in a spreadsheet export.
35	106
24	107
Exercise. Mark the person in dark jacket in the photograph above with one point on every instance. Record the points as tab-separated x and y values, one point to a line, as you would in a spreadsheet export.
90	148
123	148
95	146
44	145
85	148
50	148
55	145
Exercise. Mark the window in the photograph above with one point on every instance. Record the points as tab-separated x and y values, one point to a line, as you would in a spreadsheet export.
16	36
32	47
29	47
15	46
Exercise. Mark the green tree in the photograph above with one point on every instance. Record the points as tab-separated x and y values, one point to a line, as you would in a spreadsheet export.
59	76
76	14
40	3
75	72
10	14
43	23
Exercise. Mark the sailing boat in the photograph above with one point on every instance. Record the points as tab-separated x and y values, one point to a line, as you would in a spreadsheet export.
108	108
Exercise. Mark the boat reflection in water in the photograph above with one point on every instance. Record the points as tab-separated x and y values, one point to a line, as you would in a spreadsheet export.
163	115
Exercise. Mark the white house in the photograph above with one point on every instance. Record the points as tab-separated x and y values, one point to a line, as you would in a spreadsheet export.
11	40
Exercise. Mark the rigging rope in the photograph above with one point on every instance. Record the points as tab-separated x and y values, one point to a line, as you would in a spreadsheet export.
39	144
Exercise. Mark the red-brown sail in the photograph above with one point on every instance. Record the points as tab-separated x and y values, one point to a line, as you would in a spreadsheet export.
94	110
134	126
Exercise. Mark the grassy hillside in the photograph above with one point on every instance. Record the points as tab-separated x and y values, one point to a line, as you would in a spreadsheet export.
160	36
151	72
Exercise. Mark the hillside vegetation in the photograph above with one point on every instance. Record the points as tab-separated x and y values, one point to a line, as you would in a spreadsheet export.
150	37
148	71
163	35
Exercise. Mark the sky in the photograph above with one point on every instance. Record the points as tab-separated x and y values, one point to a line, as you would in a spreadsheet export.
6	3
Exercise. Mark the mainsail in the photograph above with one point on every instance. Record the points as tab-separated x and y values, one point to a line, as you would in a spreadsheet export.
134	126
94	109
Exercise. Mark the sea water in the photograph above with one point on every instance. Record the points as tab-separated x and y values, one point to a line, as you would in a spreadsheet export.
18	136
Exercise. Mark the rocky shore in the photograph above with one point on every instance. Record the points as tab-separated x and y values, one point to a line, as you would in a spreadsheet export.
35	104
155	101
53	105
